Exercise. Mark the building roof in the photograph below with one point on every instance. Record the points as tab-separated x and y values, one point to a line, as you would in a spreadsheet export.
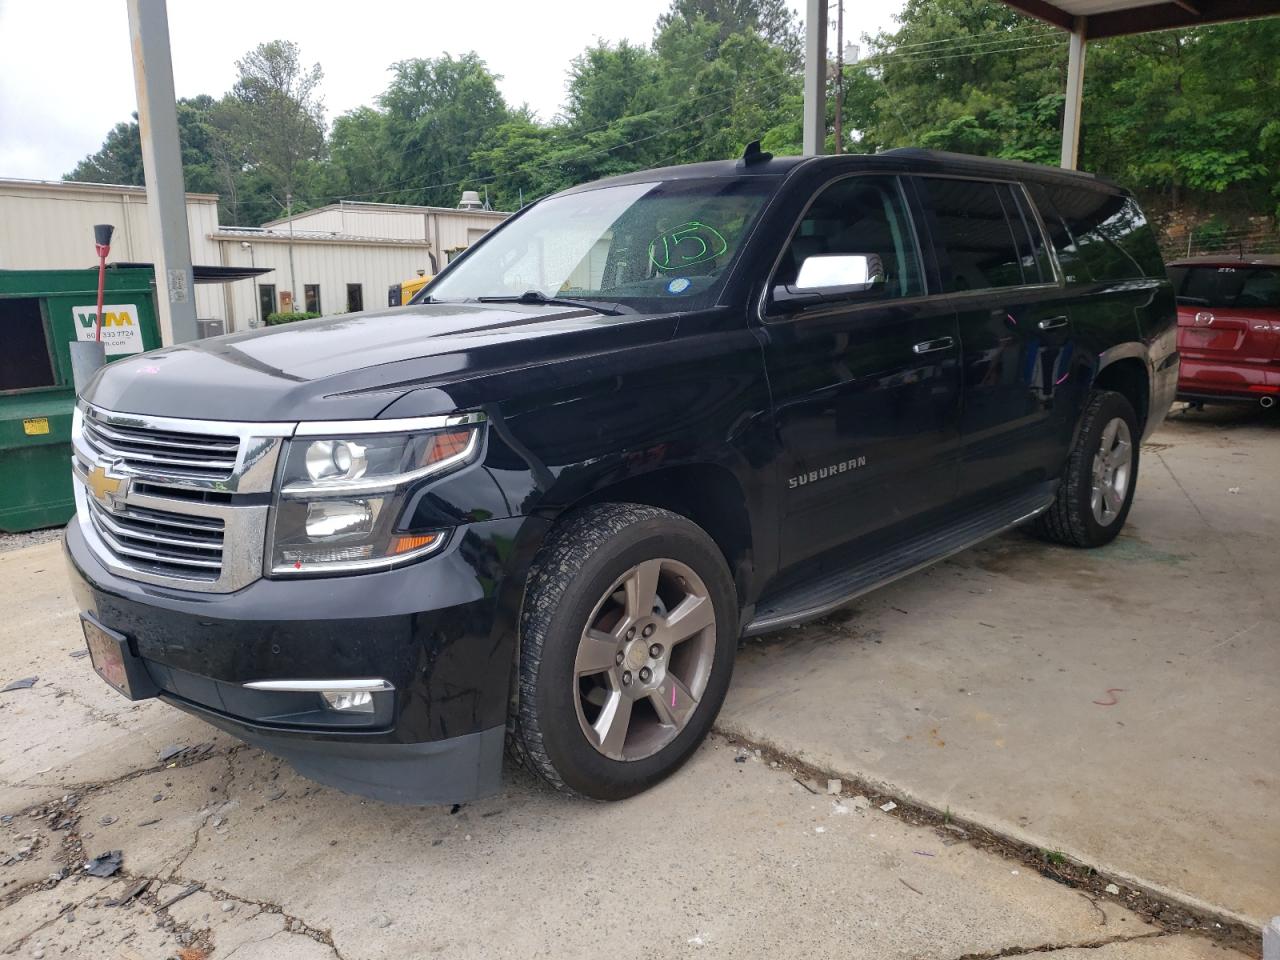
266	235
1115	18
82	186
366	207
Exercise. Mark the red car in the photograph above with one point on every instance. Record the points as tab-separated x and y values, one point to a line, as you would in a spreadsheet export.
1228	328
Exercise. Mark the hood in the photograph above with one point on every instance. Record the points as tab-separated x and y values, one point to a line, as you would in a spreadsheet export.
352	366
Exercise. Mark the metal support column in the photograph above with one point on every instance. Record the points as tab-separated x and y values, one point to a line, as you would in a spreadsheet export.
815	77
1074	95
162	166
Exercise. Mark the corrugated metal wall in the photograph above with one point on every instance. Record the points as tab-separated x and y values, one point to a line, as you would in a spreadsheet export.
50	227
329	263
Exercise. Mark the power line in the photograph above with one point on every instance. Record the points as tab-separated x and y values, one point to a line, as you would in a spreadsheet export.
1010	34
966	54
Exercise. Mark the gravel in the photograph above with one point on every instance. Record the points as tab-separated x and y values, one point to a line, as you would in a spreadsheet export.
16	541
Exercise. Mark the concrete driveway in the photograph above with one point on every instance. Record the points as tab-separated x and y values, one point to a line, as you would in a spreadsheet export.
1116	705
226	852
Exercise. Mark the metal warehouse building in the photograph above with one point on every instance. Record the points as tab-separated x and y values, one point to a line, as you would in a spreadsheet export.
332	259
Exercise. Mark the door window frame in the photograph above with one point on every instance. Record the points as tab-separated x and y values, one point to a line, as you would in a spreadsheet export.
908	205
930	269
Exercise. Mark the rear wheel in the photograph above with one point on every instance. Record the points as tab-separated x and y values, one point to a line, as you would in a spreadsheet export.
1098	484
628	635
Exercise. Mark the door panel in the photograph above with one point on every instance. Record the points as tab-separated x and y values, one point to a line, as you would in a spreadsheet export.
869	427
1016	333
866	391
1017	389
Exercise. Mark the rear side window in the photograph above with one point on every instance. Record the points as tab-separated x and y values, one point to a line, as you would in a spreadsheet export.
1098	235
973	222
1225	286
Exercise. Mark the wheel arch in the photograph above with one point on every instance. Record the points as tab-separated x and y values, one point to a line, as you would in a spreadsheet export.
707	494
1126	370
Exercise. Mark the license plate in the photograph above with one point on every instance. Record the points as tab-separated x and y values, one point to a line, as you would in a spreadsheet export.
107	652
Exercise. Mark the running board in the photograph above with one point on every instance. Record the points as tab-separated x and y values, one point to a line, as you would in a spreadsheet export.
831	591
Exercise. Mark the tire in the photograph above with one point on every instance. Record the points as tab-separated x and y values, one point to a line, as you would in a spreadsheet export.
593	571
1074	519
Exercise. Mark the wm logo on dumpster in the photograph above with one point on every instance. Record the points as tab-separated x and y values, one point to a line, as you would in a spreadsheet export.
121	330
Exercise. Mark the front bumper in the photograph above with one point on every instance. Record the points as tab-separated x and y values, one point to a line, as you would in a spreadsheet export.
432	629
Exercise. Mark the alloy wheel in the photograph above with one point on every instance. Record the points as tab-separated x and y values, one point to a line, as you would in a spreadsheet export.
644	659
1112	470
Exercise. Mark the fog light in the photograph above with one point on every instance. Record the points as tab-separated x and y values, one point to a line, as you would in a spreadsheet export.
349	701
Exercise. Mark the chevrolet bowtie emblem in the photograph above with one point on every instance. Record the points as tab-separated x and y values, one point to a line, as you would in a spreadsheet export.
106	489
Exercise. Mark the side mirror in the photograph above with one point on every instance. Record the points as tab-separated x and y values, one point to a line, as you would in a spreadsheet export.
828	278
843	270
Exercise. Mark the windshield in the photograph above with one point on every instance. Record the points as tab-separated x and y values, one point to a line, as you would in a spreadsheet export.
1230	287
642	245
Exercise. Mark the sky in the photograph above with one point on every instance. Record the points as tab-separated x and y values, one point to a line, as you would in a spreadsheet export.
68	73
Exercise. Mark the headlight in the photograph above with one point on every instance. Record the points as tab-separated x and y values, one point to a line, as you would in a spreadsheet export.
339	496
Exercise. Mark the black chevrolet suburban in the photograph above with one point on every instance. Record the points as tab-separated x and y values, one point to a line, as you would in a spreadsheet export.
646	416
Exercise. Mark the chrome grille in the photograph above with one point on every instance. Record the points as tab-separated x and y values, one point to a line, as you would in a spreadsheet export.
158	498
163	452
162	543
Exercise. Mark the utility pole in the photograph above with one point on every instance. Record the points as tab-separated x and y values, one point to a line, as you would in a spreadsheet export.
839	75
293	284
815	77
162	167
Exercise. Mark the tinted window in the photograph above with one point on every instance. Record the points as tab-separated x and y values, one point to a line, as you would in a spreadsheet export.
1112	240
859	216
355	297
1064	245
1225	286
971	223
24	361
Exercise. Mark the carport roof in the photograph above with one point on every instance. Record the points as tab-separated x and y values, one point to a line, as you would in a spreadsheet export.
1115	18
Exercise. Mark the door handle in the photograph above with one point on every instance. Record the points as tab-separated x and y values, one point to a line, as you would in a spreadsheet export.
933	346
1053	323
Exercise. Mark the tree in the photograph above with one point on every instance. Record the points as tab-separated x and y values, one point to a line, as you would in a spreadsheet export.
609	82
276	116
118	160
438	113
773	20
358	153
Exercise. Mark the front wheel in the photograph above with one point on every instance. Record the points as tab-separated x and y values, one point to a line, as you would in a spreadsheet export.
628	635
1097	486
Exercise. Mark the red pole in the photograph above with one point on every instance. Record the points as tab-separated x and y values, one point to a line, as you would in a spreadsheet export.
102	285
102	244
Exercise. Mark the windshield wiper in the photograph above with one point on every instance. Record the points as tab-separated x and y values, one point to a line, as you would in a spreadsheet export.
537	296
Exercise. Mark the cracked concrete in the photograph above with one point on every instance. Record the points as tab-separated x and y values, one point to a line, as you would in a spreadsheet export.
1115	705
727	859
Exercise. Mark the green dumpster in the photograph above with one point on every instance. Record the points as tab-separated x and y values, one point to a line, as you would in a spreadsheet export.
41	311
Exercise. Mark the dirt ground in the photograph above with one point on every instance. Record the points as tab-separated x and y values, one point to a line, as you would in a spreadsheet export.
226	852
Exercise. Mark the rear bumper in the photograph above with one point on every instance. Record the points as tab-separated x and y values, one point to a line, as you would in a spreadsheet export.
432	630
1245	382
